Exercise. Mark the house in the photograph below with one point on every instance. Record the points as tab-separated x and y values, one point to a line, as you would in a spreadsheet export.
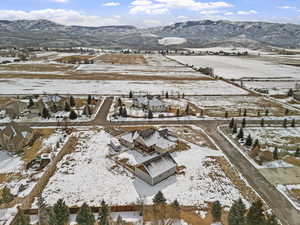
297	95
156	169
115	144
54	103
150	140
150	103
14	109
2	113
15	137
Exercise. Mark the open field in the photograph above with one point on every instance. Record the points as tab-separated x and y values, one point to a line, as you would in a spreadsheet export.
35	86
239	67
216	106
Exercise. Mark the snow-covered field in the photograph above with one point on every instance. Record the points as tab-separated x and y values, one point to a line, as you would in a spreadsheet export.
286	191
274	87
238	67
283	138
35	86
172	41
87	175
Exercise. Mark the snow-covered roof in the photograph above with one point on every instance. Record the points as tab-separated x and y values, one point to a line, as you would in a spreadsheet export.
155	102
159	164
51	98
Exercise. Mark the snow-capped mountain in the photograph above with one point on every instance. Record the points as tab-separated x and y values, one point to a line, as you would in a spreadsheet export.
196	33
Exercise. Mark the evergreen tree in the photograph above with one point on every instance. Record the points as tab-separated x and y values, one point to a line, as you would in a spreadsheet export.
187	109
290	93
22	219
262	122
130	94
286	112
271	220
120	220
275	154
120	103
245	112
175	204
177	113
256	143
104	214
293	124
183	95
85	216
226	114
267	112
87	110
237	213
72	101
150	115
73	115
249	141
167	95
216	211
240	134
297	153
240	112
284	124
67	107
54	109
120	111
45	113
61	212
244	123
234	129
258	113
124	112
31	103
89	100
7	196
231	123
159	198
255	215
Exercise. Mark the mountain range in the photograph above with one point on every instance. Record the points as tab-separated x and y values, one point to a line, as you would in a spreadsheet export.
204	33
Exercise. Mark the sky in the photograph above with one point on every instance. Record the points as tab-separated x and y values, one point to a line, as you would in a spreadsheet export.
149	13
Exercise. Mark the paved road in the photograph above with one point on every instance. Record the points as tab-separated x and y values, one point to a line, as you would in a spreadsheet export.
280	205
277	202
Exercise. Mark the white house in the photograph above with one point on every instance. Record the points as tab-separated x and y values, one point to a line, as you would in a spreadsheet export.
151	103
156	169
150	140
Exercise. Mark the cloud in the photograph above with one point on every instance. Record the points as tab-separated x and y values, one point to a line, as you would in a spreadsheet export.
209	12
228	13
286	7
111	4
62	16
250	12
164	6
61	1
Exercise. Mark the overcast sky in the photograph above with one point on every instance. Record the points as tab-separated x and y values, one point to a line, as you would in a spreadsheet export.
147	13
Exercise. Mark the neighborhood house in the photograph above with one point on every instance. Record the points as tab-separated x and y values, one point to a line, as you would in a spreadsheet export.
150	140
150	103
15	137
156	169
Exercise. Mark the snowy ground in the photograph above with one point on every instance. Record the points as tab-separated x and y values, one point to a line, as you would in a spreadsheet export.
286	191
286	139
87	175
172	41
35	86
12	164
274	87
238	67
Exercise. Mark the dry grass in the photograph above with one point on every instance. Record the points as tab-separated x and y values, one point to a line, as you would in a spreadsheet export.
292	160
32	152
8	177
74	58
296	193
123	59
235	178
193	136
5	101
37	67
